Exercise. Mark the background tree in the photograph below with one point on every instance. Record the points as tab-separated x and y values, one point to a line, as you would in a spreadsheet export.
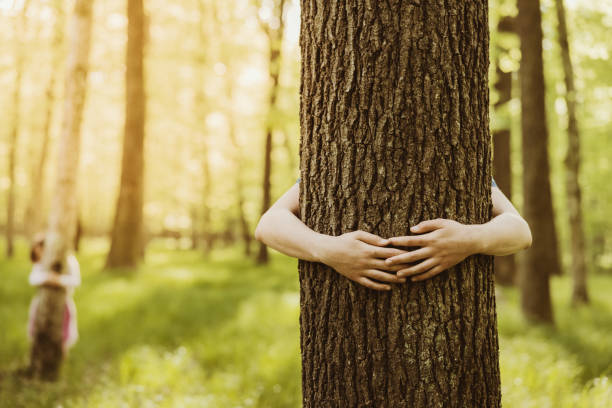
202	110
394	121
127	236
572	162
505	266
542	259
273	28
46	353
34	212
245	230
14	132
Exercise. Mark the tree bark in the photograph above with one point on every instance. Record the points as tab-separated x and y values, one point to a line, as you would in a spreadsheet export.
505	266
47	354
14	132
127	236
395	130
275	42
34	212
542	259
572	162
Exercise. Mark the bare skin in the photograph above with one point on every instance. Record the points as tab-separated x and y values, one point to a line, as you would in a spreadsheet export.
365	258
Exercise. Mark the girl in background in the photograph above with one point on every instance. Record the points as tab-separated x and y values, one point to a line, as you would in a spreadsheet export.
68	281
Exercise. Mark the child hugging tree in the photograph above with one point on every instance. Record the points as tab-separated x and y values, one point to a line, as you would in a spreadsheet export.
68	281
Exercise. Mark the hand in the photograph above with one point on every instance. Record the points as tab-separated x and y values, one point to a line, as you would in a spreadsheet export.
444	243
359	256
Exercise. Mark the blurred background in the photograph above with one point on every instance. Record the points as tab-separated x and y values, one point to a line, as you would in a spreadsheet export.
206	316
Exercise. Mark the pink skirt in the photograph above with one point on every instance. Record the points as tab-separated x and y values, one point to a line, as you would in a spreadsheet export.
70	332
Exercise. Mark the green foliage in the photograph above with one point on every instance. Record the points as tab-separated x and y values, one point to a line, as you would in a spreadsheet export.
569	365
183	331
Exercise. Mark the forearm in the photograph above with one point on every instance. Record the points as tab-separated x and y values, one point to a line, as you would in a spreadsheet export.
505	234
280	229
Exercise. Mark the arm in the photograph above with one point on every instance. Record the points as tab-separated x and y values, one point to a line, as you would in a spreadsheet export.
445	243
506	233
71	278
357	255
281	229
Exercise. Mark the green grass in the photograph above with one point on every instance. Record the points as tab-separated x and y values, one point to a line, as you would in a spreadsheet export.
184	331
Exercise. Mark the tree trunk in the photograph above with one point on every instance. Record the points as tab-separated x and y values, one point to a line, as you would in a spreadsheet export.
47	353
194	228
394	126
572	163
78	234
275	41
245	231
14	132
505	266
542	259
127	243
34	213
222	28
202	113
287	144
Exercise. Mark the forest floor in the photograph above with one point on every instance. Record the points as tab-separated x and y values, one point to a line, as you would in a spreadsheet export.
189	331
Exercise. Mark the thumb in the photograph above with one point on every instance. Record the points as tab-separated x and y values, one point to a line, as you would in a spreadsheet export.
371	239
426	226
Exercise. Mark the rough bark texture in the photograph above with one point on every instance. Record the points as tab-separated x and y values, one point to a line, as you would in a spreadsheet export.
542	259
505	266
34	213
127	237
395	130
275	42
14	132
572	163
47	354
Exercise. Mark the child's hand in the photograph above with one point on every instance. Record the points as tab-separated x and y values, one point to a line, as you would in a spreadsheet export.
360	256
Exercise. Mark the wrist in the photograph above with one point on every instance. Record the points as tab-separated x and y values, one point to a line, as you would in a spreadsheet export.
476	239
321	247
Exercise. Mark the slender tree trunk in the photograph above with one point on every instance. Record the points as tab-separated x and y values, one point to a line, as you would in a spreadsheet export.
14	132
245	231
505	266
394	125
202	112
47	353
206	193
572	162
127	236
275	40
289	150
78	234
194	228
34	212
542	259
